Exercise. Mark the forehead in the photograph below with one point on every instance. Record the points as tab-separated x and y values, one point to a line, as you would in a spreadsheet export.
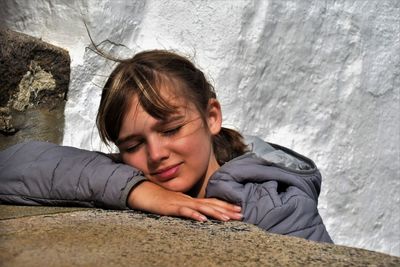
136	117
163	96
136	110
169	94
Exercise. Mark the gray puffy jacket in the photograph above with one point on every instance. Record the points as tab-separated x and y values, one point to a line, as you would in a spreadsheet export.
39	173
277	189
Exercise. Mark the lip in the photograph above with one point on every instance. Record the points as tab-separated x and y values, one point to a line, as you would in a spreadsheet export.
167	173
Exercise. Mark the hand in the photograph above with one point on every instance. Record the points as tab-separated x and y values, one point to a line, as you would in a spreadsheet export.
150	197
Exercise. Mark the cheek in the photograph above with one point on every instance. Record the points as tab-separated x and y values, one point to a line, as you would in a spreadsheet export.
196	146
135	160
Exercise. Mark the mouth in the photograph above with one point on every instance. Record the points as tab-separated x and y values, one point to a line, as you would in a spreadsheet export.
168	173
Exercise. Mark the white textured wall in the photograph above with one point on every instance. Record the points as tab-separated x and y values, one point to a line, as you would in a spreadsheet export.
321	77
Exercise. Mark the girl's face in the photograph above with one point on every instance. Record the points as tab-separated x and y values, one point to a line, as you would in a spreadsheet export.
175	153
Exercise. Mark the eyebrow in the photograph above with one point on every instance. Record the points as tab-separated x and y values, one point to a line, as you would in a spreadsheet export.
130	137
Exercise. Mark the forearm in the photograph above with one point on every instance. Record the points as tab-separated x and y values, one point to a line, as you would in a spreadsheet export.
38	173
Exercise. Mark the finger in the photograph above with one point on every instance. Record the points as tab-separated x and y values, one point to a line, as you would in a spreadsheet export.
224	214
220	203
196	210
234	215
230	210
213	212
193	209
191	214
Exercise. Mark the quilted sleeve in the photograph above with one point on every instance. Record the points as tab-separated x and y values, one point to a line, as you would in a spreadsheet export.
274	199
288	212
40	173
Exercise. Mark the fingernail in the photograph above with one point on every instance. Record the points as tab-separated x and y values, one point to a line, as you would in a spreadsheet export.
225	218
238	208
203	218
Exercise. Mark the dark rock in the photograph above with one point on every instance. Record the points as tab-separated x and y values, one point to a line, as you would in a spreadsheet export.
34	79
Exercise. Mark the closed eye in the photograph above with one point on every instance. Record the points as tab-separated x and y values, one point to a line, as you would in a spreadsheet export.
133	148
172	131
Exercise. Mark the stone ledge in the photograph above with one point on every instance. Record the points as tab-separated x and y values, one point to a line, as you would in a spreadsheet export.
121	238
15	211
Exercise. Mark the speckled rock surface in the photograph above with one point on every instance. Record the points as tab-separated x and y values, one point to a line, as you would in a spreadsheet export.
13	212
127	238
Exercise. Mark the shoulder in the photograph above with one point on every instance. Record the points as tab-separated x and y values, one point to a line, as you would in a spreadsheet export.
278	154
251	167
269	163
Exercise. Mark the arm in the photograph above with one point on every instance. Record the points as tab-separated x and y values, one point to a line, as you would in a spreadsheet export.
275	199
38	173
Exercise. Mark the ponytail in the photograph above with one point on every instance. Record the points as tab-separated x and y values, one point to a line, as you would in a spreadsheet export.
228	144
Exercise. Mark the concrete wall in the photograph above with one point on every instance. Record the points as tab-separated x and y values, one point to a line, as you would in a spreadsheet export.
321	77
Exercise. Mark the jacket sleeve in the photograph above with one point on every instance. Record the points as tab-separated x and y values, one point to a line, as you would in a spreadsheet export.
39	173
272	198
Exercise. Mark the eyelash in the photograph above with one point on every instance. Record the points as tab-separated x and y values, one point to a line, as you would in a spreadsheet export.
172	131
167	133
133	148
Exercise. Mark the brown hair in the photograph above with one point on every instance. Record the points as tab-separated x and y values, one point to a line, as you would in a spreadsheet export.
142	75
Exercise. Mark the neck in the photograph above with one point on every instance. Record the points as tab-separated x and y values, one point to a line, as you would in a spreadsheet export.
199	189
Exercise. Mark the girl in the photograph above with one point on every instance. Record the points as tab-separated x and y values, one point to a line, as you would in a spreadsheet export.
163	115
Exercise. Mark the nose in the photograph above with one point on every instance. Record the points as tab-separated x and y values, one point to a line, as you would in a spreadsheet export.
156	149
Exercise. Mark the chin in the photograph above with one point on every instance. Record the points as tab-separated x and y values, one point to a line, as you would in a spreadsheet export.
177	186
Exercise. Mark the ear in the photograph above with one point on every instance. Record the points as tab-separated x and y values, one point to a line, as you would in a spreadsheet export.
214	116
